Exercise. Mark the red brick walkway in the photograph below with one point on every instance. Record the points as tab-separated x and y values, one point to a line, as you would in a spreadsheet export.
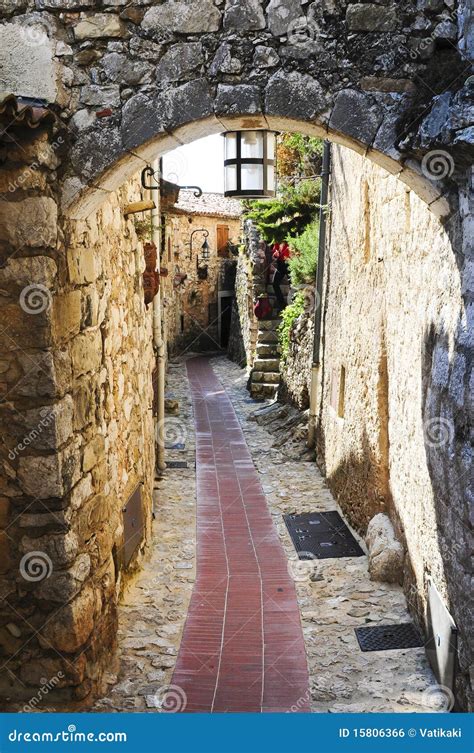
242	647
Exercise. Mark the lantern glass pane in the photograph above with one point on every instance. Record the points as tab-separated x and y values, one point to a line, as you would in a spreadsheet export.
252	145
271	145
252	177
231	178
270	178
230	145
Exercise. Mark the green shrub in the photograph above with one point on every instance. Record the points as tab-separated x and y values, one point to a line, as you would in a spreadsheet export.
288	214
304	259
289	316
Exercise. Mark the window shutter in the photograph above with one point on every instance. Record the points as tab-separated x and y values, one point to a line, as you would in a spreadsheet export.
222	240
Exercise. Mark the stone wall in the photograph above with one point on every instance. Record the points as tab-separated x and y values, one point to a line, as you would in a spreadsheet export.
77	434
295	383
191	306
395	411
397	378
244	329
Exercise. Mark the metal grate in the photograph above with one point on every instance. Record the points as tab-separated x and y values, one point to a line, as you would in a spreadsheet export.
176	464
323	535
388	637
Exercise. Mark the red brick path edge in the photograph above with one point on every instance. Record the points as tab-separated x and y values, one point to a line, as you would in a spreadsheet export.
242	648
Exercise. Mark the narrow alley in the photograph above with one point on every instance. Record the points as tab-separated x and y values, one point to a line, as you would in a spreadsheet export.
236	372
236	624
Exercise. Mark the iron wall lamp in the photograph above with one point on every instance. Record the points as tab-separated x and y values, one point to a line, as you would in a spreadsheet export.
205	246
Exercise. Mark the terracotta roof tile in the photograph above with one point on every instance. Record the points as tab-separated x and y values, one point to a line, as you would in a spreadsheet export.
23	111
209	204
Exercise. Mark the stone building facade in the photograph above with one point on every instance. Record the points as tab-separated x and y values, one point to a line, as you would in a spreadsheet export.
195	290
102	94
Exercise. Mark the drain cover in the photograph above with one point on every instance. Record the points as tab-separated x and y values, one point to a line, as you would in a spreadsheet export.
176	464
388	637
323	535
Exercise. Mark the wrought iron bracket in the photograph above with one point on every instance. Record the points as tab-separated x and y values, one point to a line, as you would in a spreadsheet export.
148	172
198	230
196	190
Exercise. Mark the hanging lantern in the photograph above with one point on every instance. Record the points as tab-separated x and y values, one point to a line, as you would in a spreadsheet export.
250	164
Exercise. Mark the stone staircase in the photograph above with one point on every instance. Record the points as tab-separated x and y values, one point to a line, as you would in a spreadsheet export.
263	352
265	374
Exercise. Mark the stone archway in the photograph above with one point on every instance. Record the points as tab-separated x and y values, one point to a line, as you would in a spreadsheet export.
112	116
383	79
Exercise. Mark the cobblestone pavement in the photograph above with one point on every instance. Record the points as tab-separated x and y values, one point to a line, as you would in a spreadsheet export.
334	595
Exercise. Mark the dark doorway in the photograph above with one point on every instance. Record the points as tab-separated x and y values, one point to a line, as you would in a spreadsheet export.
225	319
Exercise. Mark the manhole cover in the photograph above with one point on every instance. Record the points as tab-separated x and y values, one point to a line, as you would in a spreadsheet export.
388	637
176	464
323	535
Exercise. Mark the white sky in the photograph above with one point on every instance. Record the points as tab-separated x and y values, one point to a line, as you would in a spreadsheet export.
198	164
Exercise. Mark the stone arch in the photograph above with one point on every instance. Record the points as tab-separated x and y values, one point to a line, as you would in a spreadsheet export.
104	166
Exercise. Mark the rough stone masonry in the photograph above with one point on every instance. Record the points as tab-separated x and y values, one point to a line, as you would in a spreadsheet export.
122	85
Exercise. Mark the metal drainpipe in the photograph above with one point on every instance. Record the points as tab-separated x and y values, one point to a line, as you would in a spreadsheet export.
318	314
158	341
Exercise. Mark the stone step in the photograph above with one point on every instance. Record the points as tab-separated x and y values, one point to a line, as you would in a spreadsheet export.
267	364
267	336
269	324
261	390
269	377
268	350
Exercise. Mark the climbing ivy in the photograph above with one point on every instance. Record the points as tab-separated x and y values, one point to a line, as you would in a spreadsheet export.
289	315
